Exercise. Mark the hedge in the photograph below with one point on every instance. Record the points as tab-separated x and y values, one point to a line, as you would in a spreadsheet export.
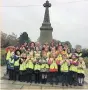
86	61
3	56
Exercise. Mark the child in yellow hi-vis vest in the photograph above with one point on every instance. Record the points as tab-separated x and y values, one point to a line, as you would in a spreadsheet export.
53	69
22	67
64	69
37	68
17	56
8	55
29	68
73	70
81	71
11	66
44	67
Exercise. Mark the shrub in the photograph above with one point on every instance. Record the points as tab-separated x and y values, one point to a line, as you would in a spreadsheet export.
3	57
86	61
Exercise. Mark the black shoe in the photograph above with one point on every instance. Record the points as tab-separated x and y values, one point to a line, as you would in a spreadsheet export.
38	82
75	84
27	81
20	80
66	84
9	79
62	84
70	84
35	82
78	84
14	79
51	83
81	84
30	81
56	83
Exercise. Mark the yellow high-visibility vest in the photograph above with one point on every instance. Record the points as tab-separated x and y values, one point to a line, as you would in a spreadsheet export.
11	61
81	68
48	54
73	68
32	58
64	67
80	71
37	54
30	64
16	63
53	66
22	66
8	55
80	54
69	55
37	67
59	57
64	52
44	66
27	65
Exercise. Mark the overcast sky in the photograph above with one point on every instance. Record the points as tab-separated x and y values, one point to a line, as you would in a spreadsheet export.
69	19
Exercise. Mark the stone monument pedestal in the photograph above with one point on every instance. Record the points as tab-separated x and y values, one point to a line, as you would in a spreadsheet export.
46	29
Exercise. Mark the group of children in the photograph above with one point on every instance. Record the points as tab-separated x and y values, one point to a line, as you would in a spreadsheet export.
48	63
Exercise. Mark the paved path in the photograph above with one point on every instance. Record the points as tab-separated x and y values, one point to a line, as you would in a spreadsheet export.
12	85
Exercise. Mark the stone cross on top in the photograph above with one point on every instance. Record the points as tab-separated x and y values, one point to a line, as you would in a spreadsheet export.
46	16
47	4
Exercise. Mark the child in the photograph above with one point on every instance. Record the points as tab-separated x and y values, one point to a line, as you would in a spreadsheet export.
11	66
37	72
59	57
16	64
58	60
29	68
22	67
53	69
81	67
64	69
32	46
37	53
73	70
69	53
44	68
7	60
